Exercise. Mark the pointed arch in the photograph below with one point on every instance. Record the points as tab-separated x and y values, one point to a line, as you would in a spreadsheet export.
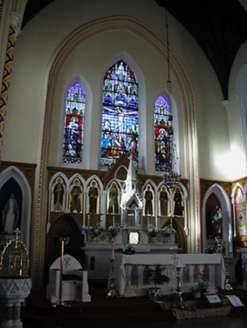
163	131
191	149
127	58
238	198
13	172
77	100
225	205
114	190
120	114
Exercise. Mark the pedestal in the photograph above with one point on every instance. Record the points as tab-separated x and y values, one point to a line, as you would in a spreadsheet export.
13	292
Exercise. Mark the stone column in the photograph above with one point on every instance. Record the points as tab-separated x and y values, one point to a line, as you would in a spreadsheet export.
13	33
7	320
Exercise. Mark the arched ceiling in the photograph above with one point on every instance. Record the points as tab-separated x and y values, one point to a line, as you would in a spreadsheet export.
218	26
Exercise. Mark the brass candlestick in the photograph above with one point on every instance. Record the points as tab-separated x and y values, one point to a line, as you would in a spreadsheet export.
64	241
112	288
179	285
227	284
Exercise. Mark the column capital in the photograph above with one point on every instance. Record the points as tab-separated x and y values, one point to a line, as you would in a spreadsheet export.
15	18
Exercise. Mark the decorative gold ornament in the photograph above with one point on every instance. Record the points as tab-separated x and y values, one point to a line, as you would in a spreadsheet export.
14	261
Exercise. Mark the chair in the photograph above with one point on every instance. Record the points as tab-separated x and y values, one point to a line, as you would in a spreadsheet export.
74	281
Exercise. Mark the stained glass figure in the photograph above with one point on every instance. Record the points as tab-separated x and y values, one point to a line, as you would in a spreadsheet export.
162	134
74	125
120	129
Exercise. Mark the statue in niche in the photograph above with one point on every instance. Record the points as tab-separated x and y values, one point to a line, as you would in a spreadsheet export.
216	220
113	200
148	201
10	215
58	196
76	198
178	207
93	198
163	202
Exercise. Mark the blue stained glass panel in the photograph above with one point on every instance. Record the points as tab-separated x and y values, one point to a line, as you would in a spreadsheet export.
120	117
74	125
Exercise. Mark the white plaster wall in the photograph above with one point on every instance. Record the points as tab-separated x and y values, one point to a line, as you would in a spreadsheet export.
40	40
237	152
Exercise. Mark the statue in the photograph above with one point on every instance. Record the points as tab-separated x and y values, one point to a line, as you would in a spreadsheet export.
58	196
10	215
113	200
76	193
163	202
216	220
178	208
93	197
148	202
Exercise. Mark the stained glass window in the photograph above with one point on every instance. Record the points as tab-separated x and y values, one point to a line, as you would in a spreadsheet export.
74	125
162	134
120	129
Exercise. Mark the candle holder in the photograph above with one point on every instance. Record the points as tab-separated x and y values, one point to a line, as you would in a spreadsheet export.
112	288
179	268
227	284
60	302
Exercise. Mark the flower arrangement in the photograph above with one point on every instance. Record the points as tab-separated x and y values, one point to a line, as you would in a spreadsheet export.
153	232
113	230
210	249
204	283
129	250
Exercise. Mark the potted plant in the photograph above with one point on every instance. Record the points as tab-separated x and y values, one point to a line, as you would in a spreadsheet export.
158	277
202	285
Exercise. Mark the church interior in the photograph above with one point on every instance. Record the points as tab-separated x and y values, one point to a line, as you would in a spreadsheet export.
135	118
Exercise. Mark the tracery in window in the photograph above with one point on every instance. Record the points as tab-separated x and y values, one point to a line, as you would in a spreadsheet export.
162	134
120	128
74	125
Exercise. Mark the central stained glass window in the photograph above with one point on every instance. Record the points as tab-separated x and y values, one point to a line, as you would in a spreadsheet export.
120	128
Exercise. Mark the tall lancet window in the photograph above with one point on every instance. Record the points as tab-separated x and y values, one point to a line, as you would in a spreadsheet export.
162	134
120	129
74	125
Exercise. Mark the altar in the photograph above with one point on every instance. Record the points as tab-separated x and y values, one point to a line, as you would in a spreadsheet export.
131	272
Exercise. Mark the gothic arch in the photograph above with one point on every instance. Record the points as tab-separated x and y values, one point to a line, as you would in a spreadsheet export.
224	201
186	92
87	119
142	99
18	176
244	190
64	178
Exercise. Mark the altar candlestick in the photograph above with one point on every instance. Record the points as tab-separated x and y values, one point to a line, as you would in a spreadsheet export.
227	251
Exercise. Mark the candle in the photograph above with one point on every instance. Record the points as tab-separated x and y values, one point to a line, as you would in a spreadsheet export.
227	251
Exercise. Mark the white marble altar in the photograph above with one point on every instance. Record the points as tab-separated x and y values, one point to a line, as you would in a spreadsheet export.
130	271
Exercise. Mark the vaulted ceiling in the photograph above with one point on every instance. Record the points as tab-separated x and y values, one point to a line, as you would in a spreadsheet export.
218	26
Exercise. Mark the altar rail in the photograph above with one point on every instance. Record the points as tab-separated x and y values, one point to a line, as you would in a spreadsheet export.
131	272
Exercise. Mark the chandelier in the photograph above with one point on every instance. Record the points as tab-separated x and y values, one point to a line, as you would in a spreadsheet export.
172	177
